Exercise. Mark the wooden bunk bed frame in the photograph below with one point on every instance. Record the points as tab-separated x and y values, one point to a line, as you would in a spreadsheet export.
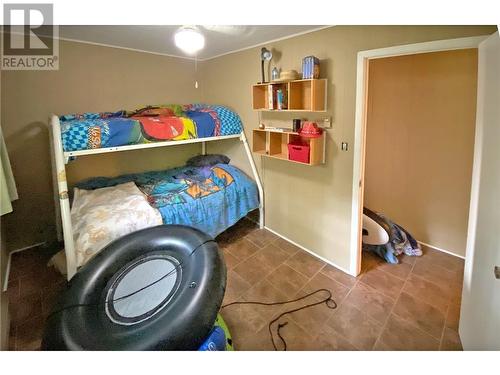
60	158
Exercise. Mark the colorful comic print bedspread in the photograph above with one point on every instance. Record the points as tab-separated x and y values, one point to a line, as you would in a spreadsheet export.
211	199
147	124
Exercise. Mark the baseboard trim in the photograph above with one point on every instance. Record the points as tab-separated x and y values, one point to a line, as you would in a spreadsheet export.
309	251
7	270
440	249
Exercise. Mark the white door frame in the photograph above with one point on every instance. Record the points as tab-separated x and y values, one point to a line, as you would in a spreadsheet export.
360	125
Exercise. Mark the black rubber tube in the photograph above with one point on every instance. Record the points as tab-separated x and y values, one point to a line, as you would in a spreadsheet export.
79	321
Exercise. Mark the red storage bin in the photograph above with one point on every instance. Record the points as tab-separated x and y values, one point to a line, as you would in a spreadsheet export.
298	152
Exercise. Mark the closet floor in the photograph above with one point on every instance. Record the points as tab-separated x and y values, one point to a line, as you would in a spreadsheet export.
414	305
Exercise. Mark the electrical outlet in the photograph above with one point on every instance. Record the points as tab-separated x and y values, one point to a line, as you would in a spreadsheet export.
345	146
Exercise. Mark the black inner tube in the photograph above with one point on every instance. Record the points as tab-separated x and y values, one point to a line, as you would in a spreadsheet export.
117	301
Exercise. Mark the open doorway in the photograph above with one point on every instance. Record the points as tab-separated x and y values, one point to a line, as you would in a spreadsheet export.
416	163
416	87
420	122
419	302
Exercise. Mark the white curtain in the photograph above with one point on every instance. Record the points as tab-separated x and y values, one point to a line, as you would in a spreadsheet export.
8	191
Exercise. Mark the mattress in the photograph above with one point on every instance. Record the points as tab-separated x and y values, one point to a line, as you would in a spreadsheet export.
147	124
210	199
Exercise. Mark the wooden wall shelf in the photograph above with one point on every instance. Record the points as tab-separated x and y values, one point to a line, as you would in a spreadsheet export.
274	144
302	95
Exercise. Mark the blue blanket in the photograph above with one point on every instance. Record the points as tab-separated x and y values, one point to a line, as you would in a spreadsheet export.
211	198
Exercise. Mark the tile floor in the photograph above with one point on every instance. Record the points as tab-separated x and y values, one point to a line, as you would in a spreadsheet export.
414	305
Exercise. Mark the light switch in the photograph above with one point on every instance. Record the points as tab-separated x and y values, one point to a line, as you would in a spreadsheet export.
327	122
344	146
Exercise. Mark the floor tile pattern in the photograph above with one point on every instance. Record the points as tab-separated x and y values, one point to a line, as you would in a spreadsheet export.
414	305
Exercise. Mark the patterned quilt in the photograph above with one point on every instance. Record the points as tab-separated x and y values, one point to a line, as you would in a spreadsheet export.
208	198
147	124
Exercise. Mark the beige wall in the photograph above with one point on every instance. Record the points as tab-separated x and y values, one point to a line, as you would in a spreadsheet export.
312	205
90	78
420	142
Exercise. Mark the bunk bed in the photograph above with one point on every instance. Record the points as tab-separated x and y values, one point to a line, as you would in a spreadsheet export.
74	136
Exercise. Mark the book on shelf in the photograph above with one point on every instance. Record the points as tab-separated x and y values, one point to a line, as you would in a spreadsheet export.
277	129
270	97
277	97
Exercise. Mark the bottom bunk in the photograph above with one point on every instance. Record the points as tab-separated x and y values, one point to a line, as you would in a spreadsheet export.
208	196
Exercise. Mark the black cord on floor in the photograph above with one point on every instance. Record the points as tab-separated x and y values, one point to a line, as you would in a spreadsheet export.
328	301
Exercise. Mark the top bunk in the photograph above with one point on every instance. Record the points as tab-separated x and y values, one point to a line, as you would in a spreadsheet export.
147	127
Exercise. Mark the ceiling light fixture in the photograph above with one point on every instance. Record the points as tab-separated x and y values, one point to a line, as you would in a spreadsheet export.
189	39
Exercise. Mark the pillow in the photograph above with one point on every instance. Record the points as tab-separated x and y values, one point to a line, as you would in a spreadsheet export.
102	215
207	160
